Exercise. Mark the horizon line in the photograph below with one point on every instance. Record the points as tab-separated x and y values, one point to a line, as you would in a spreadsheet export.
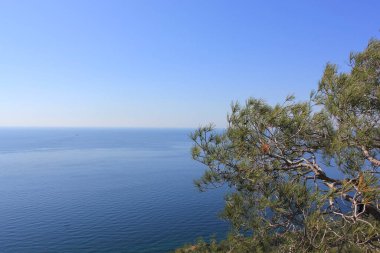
101	127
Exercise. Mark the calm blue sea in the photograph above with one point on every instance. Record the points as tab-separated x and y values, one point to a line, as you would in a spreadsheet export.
102	190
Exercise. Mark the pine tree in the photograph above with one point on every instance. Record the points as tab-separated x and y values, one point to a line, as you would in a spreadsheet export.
281	162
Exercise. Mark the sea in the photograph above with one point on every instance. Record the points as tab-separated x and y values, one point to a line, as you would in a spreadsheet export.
102	190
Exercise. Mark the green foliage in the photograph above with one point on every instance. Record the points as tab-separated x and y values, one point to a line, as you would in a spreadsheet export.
279	161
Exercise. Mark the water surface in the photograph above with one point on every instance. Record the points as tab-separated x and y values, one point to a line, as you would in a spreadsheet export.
101	190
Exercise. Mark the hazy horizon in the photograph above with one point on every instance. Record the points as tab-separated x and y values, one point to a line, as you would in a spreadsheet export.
105	127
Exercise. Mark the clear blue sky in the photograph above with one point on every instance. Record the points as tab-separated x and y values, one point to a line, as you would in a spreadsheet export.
162	63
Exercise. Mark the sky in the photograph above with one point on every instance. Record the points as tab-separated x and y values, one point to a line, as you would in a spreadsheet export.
167	63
